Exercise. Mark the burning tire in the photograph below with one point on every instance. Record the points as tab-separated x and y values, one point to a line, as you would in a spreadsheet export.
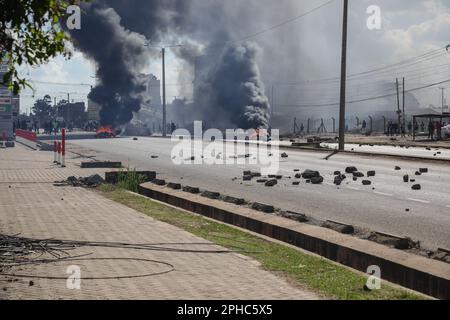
105	133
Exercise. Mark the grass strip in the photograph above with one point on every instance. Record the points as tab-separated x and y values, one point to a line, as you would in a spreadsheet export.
303	269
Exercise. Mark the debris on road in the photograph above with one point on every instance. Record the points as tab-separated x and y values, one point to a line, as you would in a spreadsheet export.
309	174
371	173
441	255
358	174
101	165
397	168
299	217
263	207
192	190
367	182
91	181
406	178
271	183
317	180
284	155
339	179
351	169
174	186
233	200
211	195
339	227
401	243
416	187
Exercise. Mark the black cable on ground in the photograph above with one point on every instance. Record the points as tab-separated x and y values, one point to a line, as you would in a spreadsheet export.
49	261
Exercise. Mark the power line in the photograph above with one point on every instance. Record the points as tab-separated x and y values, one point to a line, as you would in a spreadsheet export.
282	23
430	55
362	100
62	83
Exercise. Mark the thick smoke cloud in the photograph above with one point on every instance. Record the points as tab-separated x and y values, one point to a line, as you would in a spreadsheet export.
114	35
119	55
235	87
291	56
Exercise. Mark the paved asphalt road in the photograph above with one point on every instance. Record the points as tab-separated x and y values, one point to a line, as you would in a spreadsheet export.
381	207
431	153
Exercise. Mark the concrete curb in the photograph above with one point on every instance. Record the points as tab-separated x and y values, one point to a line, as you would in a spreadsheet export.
418	273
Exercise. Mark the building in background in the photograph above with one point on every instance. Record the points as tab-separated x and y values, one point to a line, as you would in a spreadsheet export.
149	118
74	114
93	111
8	105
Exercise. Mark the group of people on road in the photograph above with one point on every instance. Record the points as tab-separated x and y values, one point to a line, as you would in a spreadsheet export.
435	130
393	129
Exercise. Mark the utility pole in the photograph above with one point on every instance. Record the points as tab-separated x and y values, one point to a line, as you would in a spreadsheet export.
164	131
68	109
404	114
272	95
398	105
343	79
443	99
163	53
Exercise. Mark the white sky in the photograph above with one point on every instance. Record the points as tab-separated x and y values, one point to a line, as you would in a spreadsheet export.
410	28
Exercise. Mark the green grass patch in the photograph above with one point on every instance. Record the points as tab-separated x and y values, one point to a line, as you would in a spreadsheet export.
130	180
315	273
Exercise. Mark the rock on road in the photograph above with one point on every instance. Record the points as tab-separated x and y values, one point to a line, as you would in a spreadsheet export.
387	205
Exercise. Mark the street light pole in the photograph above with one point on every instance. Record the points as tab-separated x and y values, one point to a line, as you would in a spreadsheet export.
164	131
343	79
443	99
163	53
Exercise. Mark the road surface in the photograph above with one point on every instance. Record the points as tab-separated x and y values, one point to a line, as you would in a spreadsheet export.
388	205
421	152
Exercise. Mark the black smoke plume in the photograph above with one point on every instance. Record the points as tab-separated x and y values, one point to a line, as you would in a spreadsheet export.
114	34
119	55
236	87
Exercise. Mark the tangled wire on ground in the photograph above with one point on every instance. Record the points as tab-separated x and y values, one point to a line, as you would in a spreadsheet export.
17	251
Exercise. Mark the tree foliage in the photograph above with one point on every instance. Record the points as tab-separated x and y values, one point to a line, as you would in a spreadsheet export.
43	109
30	33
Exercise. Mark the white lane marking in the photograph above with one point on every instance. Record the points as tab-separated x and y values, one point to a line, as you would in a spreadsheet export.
448	206
353	188
329	184
418	200
383	194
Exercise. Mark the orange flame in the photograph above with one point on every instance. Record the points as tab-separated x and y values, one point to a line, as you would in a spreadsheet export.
106	130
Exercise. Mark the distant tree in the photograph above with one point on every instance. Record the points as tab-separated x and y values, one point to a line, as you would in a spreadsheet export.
43	109
30	33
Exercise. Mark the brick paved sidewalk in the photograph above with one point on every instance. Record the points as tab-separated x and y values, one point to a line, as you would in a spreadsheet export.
30	205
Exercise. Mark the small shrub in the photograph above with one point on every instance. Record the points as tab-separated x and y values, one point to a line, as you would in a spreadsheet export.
130	180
